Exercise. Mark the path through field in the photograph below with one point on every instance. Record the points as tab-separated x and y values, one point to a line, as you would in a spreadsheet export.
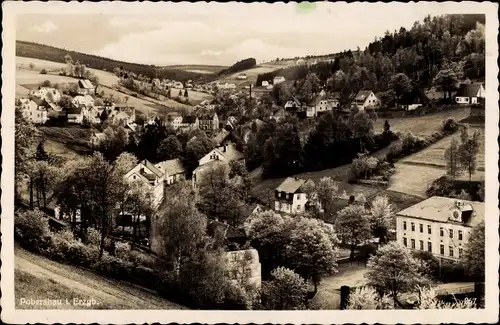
39	278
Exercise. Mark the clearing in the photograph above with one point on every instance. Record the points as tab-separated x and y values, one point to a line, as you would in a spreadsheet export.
421	125
39	278
415	173
67	141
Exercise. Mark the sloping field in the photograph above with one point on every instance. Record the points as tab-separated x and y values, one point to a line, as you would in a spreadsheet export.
39	278
28	77
434	154
420	125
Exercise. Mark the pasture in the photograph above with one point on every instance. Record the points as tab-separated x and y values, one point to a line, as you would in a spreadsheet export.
421	125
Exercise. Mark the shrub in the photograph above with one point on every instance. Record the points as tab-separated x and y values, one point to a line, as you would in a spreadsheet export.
411	143
43	71
449	125
395	151
122	249
32	229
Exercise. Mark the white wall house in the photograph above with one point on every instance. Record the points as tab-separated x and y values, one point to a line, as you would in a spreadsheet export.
224	153
174	120
278	80
173	171
366	99
439	225
470	93
32	112
150	176
321	105
289	196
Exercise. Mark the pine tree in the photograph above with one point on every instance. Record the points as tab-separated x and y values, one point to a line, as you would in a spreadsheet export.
40	153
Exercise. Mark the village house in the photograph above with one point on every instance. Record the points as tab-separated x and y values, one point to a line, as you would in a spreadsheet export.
242	76
122	114
189	122
74	115
231	122
226	153
243	266
177	85
265	83
365	100
174	119
469	93
292	105
97	139
221	138
278	79
173	171
209	121
439	225
202	171
48	94
85	87
278	114
479	109
320	105
90	114
150	176
33	112
85	100
290	196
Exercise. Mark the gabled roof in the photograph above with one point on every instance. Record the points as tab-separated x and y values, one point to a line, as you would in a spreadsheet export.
231	153
291	185
152	168
439	209
85	83
228	231
172	166
278	110
315	101
468	90
221	136
362	94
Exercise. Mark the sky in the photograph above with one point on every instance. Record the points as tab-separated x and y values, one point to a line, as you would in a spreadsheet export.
218	33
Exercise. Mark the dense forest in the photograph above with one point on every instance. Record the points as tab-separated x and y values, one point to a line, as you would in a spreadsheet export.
439	52
239	66
50	53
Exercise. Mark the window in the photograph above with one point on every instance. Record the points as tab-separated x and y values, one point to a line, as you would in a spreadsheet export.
460	253
412	226
429	229
450	248
298	207
298	196
404	225
441	249
451	233
421	226
460	235
405	242
413	243
429	246
441	232
421	245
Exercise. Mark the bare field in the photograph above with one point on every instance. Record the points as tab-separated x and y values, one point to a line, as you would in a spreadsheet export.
421	125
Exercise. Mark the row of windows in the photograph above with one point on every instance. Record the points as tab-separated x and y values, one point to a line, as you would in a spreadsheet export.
429	230
429	247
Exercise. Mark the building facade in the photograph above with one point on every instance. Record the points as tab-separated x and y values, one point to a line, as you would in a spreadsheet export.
439	225
289	196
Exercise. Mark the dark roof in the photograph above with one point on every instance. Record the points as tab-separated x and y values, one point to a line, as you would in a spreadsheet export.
362	94
152	168
315	101
190	119
468	90
228	231
74	110
247	209
278	110
291	185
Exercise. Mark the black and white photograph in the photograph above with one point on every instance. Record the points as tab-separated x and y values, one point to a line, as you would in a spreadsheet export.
325	160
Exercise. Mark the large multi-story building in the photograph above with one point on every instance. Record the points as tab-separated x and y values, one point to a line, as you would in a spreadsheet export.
439	225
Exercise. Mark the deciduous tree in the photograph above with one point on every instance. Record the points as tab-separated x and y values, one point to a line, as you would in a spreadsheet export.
285	291
474	252
353	226
452	158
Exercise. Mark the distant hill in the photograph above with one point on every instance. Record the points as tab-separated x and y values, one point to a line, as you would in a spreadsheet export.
239	66
197	68
50	53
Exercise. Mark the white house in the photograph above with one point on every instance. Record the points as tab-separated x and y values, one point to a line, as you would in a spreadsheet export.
278	80
33	112
242	76
150	176
243	266
226	153
177	85
174	119
85	87
320	105
265	83
292	104
470	93
85	100
365	99
173	171
439	225
75	115
97	138
290	196
48	94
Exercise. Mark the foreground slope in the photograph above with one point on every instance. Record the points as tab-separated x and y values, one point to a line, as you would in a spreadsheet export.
39	278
